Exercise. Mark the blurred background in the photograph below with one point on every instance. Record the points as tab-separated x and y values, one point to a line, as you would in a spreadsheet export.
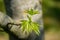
3	34
51	19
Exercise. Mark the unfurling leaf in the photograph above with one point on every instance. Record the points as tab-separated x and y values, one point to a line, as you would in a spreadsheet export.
27	25
32	12
30	26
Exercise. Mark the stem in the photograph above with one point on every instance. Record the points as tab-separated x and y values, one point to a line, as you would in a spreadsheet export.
29	18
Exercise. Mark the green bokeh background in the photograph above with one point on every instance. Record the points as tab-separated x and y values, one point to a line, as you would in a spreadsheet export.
2	6
51	17
51	14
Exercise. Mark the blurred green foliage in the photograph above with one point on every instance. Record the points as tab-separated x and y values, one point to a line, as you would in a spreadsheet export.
2	6
51	14
2	9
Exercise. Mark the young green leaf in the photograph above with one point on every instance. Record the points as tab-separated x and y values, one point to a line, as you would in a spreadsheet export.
30	26
32	12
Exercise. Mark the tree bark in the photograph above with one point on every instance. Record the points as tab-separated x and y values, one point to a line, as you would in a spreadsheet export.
15	11
5	19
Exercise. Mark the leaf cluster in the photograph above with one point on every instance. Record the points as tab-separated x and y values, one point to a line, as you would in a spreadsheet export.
28	26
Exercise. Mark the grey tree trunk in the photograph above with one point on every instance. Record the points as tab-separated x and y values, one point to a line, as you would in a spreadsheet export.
15	11
5	19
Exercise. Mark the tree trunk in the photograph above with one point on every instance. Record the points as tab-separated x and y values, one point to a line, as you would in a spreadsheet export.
15	9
